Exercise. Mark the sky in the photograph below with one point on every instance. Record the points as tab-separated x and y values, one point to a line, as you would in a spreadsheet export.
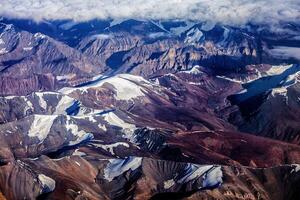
231	12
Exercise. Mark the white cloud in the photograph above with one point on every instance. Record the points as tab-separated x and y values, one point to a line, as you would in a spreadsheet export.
286	52
224	11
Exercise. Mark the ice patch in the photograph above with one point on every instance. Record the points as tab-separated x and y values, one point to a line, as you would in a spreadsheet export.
41	126
117	167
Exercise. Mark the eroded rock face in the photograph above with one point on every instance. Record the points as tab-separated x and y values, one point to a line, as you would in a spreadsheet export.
74	144
146	110
270	104
32	62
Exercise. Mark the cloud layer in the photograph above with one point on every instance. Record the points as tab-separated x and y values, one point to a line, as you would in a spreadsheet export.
224	11
286	52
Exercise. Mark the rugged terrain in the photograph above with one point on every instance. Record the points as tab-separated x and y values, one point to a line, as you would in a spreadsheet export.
147	110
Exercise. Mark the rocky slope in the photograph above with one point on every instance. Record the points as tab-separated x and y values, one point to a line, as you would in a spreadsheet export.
72	145
32	62
146	110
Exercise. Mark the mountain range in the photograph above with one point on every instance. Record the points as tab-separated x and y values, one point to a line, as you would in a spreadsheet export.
148	109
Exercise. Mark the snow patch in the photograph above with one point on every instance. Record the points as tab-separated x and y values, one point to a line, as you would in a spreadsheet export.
230	79
91	117
157	35
279	91
225	35
117	167
28	104
123	85
277	69
27	48
194	70
110	147
102	36
39	36
42	101
293	78
169	183
296	168
212	175
41	126
159	25
113	119
181	29
79	134
193	36
47	183
10	97
65	77
64	103
126	90
288	82
3	51
194	171
78	153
